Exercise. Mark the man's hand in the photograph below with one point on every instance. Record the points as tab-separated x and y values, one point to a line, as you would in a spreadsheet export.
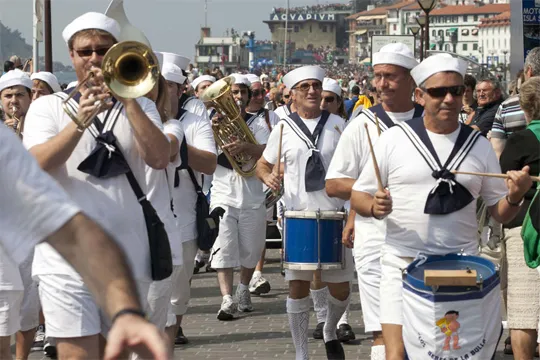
217	119
382	204
273	181
136	334
237	147
10	122
347	237
94	96
518	183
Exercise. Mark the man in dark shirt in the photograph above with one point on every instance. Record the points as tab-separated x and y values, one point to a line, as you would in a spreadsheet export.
489	97
349	104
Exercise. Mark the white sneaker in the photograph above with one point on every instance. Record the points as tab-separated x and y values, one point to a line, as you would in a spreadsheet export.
259	285
229	309
244	300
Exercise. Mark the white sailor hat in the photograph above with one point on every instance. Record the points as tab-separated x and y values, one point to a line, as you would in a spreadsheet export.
200	79
331	85
240	79
303	73
181	61
395	54
171	72
91	20
14	78
159	57
436	64
49	78
72	84
253	78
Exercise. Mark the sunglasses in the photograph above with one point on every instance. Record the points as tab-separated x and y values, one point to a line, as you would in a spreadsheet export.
286	96
439	92
89	52
236	92
257	93
305	86
329	99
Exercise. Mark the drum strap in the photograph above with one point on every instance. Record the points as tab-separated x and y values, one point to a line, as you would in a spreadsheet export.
448	195
385	122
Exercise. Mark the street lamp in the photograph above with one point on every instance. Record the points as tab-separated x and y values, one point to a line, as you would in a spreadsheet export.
427	6
415	29
505	69
421	20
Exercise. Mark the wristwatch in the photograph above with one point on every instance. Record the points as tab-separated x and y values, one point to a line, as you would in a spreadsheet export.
519	203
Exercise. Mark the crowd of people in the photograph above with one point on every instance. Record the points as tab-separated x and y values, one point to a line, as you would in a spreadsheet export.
124	198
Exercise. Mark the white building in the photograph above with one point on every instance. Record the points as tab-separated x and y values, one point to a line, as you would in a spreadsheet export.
494	39
226	53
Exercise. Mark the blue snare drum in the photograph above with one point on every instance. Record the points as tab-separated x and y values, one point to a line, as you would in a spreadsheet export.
458	314
312	240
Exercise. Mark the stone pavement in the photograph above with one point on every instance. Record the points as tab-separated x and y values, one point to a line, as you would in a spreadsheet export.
262	334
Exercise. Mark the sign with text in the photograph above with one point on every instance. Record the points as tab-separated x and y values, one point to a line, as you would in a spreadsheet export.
531	25
303	17
378	41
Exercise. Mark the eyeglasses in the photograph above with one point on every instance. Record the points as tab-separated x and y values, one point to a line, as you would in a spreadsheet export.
89	52
305	87
329	99
286	96
258	93
439	92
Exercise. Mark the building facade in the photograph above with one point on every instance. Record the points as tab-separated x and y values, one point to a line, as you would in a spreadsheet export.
226	53
494	40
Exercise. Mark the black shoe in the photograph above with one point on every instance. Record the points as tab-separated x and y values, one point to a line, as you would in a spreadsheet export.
198	266
334	350
180	339
49	349
318	332
345	333
209	268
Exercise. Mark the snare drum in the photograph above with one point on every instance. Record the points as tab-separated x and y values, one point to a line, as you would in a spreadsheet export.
451	308
312	240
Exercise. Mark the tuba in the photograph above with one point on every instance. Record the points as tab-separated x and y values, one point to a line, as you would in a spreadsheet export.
130	68
232	127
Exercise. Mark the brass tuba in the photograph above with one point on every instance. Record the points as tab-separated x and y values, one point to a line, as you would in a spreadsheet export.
232	127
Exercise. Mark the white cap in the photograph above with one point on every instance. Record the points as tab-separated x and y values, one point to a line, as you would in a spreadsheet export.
395	54
240	79
303	73
181	61
159	57
49	78
173	73
202	78
253	78
72	84
436	64
91	20
14	78
332	85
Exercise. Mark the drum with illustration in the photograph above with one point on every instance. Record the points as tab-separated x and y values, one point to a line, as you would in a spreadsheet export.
451	308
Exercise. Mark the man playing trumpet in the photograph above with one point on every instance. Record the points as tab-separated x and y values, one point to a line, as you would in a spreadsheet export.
16	96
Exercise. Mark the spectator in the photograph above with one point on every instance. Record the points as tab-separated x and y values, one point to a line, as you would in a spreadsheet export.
8	66
16	61
489	97
469	103
349	104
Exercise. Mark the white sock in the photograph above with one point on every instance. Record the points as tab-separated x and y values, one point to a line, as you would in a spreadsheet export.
298	313
336	308
345	317
242	287
256	274
378	352
320	300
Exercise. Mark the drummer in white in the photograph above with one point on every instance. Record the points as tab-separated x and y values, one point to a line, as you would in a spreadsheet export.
304	176
391	65
409	180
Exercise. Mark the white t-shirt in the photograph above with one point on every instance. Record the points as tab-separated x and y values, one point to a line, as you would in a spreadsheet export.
408	178
198	134
110	202
232	189
160	192
280	111
32	207
351	155
273	119
197	107
295	154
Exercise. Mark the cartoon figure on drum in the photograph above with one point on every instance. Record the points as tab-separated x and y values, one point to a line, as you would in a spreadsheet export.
449	327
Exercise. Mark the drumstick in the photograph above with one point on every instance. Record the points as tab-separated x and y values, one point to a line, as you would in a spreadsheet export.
377	172
503	176
377	123
337	129
277	169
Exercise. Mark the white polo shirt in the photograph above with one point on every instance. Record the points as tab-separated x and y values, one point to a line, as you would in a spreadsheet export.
196	106
198	134
110	202
33	207
232	189
352	153
295	154
408	178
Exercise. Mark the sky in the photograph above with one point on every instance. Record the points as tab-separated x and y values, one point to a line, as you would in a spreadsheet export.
170	25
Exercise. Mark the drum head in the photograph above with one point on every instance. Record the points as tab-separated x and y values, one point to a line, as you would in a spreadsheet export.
485	269
327	215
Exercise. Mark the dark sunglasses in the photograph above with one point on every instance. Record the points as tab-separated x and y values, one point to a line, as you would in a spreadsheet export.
329	99
258	93
305	86
89	52
439	92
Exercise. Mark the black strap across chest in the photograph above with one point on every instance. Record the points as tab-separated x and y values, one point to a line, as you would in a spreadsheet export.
385	122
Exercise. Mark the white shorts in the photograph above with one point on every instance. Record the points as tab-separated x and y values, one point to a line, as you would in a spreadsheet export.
329	276
10	307
181	282
30	303
159	298
369	281
391	294
70	310
241	239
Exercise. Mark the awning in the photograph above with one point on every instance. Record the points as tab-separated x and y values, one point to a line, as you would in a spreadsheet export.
366	61
366	18
433	47
360	32
452	30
